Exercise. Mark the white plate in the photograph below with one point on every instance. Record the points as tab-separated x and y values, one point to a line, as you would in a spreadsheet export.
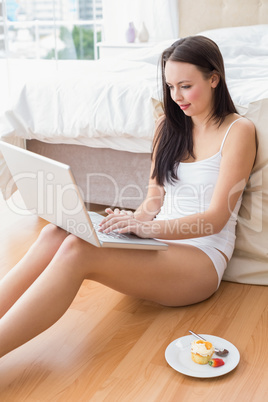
178	356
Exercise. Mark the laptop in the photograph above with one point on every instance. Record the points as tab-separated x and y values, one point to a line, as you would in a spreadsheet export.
48	189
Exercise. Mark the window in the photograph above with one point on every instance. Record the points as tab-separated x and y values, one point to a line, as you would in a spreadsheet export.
50	29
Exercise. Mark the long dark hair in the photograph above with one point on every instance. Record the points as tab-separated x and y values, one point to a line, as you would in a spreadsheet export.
174	140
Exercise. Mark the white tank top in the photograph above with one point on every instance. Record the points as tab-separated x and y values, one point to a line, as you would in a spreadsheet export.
192	194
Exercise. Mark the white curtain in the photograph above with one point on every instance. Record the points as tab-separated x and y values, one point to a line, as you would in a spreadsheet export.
160	18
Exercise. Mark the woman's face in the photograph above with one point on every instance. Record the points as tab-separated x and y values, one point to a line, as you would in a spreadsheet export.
190	89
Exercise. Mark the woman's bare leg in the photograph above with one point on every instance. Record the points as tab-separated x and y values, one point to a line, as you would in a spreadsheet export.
25	272
182	275
43	303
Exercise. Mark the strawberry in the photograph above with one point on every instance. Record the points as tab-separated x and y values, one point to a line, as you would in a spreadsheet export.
216	362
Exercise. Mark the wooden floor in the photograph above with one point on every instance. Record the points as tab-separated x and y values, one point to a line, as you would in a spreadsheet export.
110	347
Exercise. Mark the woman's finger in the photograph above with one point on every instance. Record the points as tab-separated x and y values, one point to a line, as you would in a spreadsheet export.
113	220
115	225
109	211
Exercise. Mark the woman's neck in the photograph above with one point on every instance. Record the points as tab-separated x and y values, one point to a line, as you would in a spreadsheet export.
201	125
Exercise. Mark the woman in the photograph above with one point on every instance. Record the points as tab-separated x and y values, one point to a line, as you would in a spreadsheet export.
202	157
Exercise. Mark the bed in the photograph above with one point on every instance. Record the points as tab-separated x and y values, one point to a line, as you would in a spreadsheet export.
99	117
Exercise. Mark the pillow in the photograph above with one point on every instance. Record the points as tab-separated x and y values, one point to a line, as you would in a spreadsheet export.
249	263
157	108
243	38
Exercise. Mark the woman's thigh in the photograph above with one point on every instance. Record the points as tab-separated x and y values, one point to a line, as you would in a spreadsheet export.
181	275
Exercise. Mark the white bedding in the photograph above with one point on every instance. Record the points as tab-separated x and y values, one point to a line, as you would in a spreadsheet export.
245	53
89	104
107	103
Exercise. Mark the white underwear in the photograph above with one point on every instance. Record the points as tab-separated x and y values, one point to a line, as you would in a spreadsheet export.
217	258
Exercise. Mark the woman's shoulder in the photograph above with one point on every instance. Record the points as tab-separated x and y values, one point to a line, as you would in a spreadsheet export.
247	129
240	125
243	122
243	132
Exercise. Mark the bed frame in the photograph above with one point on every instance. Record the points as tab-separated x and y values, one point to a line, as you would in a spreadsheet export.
118	178
105	176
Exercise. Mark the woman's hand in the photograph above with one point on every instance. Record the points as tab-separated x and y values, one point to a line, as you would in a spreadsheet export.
127	223
118	211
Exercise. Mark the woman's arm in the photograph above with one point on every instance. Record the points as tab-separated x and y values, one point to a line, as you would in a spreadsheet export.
152	203
238	156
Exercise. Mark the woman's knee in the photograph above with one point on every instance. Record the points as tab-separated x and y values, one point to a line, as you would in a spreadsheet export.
74	250
52	235
52	231
76	255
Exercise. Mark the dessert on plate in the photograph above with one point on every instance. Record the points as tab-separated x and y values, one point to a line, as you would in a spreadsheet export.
201	351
